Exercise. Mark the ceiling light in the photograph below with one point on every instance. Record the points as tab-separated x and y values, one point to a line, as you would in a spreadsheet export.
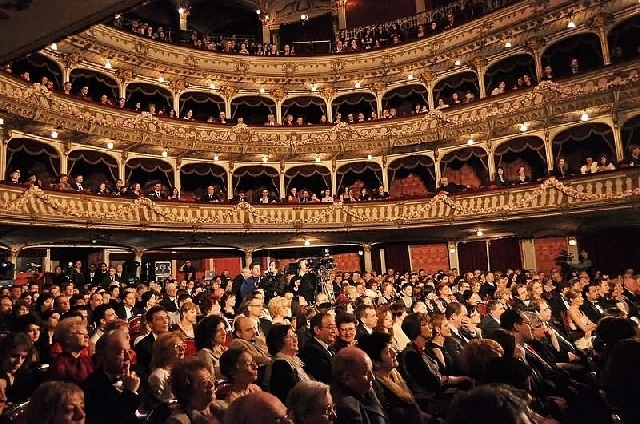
304	17
54	134
258	11
524	127
216	157
161	77
1	121
584	117
410	77
479	233
266	17
571	24
265	159
262	90
107	64
110	145
471	142
457	62
212	86
508	45
54	46
357	84
318	158
181	10
369	157
360	252
117	16
165	153
314	86
307	242
573	241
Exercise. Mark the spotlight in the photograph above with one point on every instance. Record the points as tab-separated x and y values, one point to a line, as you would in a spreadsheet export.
410	77
212	86
479	233
181	10
262	90
508	45
54	46
584	117
107	64
369	157
117	17
265	159
307	243
524	127
571	24
1	121
165	153
110	145
471	142
457	62
161	77
216	157
573	241
54	134
258	11
360	252
314	86
357	84
304	18
318	158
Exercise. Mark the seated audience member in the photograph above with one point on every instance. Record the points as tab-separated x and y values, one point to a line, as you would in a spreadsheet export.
158	320
589	167
450	186
346	324
210	338
604	164
194	387
15	349
477	354
286	369
352	389
561	169
239	368
311	402
73	362
167	350
489	405
634	155
111	391
56	402
392	391
522	177
257	408
318	352
245	338
501	178
620	378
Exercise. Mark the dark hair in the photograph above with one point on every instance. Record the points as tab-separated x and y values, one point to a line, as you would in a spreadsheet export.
182	373
505	338
509	318
146	296
487	404
397	309
373	344
346	318
98	313
412	323
229	361
452	308
205	330
620	377
13	341
276	336
316	321
151	312
22	323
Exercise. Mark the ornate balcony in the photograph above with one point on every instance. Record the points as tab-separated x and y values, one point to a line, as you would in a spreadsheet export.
603	192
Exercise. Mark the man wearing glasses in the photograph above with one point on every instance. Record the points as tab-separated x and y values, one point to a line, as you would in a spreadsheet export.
318	352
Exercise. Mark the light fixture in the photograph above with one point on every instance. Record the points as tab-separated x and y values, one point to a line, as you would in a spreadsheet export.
369	157
266	17
216	157
524	127
410	77
573	241
161	77
571	24
360	252
479	233
304	17
265	159
181	10
107	64
457	62
471	142
165	153
314	86
357	84
117	17
452	250
307	243
584	117
318	158
54	46
110	145
258	11
262	90
54	134
508	45
212	86
1	121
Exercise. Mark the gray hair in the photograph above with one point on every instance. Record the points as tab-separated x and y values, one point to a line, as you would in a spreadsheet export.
305	398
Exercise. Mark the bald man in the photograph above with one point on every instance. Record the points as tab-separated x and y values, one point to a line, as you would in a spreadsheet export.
244	336
256	408
352	391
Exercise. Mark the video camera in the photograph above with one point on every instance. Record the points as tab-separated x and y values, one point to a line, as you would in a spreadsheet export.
564	257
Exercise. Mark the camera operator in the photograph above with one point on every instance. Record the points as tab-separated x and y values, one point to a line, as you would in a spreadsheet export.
274	282
304	283
584	264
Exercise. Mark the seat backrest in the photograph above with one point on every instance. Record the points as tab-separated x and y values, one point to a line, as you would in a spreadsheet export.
17	414
161	412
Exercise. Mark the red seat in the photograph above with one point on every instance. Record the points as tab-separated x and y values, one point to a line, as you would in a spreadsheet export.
135	326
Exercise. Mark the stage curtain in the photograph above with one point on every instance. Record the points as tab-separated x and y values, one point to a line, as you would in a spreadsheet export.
612	250
504	254
233	264
472	255
396	256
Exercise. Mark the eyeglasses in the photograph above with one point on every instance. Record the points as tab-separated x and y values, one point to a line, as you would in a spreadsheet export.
179	347
284	419
330	410
292	335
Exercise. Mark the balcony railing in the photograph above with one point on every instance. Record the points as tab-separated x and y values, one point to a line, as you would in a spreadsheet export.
608	191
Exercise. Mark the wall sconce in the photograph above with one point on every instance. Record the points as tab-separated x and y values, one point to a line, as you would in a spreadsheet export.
452	247
304	18
573	241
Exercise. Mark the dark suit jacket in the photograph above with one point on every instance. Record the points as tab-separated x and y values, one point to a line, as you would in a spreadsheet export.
74	186
283	378
106	404
169	305
453	346
265	326
361	331
123	315
317	361
152	195
214	198
143	352
591	311
488	325
351	409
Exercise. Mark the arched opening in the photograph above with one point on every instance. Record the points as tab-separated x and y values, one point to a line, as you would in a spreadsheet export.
511	71
99	84
254	110
32	156
38	66
456	89
353	104
147	172
251	180
96	167
527	152
468	166
411	176
309	108
313	178
205	107
579	142
196	177
407	99
623	40
583	47
359	175
631	134
141	95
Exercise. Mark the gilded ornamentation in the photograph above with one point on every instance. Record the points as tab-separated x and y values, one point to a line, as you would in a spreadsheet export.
125	75
227	91
378	87
242	67
478	63
337	66
535	45
289	68
71	60
178	85
279	93
142	48
328	92
387	61
601	21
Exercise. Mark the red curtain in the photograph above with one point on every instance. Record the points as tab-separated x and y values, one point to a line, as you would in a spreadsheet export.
376	264
504	254
396	256
612	250
472	255
233	264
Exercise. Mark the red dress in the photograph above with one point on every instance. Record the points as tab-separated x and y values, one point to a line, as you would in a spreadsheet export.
67	367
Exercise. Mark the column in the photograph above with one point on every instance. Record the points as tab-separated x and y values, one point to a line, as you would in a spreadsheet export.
431	102
176	174
379	104
46	261
266	32
279	112
421	11
176	103
329	110
538	61
342	14
227	107
483	89
105	256
617	139
282	188
368	263
438	171
548	150
383	265
572	247
64	164
604	44
491	163
174	269
385	175
122	90
453	255
334	178
3	153
528	254
248	257
122	165
230	183
13	258
66	74
137	256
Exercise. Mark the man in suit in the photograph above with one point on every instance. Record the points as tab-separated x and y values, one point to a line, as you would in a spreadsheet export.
158	318
521	298
127	308
77	183
367	320
318	353
352	391
491	321
170	303
210	195
244	333
591	306
157	193
456	314
111	391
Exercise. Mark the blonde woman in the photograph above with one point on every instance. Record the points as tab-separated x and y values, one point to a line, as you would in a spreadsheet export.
71	360
278	309
56	402
188	316
167	349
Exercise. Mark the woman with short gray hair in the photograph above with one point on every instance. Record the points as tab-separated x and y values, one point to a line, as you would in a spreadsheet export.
311	402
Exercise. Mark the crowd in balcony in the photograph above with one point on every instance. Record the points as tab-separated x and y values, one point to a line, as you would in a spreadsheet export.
94	344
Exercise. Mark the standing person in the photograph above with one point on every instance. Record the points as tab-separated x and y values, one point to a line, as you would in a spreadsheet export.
189	271
304	283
